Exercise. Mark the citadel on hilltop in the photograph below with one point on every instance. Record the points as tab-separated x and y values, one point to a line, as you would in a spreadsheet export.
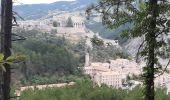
63	23
71	25
76	21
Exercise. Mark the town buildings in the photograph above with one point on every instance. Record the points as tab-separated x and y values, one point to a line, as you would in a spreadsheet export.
113	73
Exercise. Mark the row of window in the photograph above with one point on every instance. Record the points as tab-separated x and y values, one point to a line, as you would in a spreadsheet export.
113	76
115	84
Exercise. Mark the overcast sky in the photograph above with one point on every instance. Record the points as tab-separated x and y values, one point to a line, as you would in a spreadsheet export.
39	1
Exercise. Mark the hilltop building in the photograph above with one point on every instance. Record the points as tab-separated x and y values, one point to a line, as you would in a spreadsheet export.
62	20
59	25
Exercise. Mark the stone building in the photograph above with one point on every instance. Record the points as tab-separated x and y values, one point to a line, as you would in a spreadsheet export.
77	21
110	78
113	73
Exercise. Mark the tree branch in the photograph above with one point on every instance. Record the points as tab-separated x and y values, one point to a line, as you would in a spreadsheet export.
15	13
164	69
137	55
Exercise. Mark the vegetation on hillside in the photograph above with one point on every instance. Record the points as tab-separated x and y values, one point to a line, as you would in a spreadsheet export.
85	90
97	27
53	59
48	56
104	54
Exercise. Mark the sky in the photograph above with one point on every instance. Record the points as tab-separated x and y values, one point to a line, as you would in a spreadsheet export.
38	1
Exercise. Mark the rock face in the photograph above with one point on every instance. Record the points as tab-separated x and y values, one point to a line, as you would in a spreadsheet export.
133	45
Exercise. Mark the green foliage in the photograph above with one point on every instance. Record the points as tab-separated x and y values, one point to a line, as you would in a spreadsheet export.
104	54
138	16
85	90
150	19
2	62
108	33
11	60
96	41
55	24
50	79
100	53
49	55
54	31
69	22
161	94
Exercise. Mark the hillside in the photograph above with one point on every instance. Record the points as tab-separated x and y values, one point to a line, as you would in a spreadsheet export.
45	11
36	11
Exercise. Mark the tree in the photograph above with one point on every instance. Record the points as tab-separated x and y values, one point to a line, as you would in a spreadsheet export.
150	20
96	41
69	22
6	28
55	24
54	31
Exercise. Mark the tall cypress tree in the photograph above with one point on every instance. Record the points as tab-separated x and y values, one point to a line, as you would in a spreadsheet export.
69	22
150	20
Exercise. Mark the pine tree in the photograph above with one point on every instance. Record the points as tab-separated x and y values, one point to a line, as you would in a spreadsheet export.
69	22
55	24
150	20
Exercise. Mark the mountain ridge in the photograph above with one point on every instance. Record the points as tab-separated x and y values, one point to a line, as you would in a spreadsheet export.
35	11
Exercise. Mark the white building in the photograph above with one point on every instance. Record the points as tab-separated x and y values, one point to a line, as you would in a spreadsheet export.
113	73
110	78
78	21
127	67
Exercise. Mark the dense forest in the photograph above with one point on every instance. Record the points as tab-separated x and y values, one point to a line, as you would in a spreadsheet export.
48	56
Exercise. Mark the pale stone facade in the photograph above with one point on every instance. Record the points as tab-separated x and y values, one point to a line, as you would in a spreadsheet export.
78	22
125	66
111	78
113	73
